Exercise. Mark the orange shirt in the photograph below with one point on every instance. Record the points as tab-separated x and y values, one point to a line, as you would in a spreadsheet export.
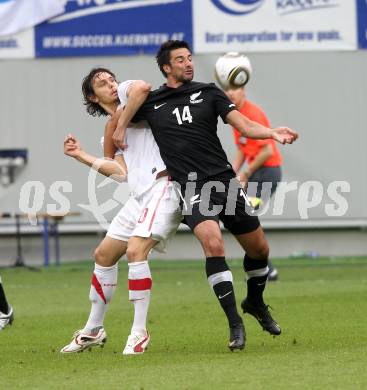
251	147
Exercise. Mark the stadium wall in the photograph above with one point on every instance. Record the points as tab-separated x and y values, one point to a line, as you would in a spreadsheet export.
322	95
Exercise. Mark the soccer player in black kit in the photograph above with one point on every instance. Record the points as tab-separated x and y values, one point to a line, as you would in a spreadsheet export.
183	117
6	311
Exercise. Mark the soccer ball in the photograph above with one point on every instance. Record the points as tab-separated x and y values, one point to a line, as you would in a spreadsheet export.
233	70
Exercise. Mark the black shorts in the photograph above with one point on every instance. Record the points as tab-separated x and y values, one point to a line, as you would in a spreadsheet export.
263	182
218	200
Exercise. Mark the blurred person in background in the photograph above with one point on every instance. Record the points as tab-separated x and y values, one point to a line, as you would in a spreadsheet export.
261	158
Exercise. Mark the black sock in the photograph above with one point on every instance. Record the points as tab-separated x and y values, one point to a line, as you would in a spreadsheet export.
4	307
220	279
257	275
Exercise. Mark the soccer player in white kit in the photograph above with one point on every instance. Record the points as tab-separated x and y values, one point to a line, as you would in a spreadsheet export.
148	219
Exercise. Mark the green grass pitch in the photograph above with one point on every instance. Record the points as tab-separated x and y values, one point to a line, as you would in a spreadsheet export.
321	305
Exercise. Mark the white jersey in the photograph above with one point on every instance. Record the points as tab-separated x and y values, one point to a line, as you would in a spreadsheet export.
142	155
155	214
153	209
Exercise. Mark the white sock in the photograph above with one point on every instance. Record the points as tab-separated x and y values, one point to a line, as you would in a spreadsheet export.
140	284
104	281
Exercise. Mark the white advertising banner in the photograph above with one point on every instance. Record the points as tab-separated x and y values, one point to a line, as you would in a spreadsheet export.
19	45
17	15
274	25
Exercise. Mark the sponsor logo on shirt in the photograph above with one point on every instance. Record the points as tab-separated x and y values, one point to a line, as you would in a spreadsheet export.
194	96
156	106
195	199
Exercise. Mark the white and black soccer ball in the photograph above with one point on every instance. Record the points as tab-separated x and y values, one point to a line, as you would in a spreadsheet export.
233	70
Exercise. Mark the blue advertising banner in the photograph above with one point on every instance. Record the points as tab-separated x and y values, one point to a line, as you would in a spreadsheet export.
114	27
362	23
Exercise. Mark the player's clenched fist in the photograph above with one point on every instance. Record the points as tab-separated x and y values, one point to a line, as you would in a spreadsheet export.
71	146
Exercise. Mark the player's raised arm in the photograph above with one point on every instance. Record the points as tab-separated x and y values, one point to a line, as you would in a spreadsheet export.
116	169
255	130
136	93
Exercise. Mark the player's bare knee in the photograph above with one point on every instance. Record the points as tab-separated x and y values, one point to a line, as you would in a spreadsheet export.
98	255
261	251
136	253
264	250
132	253
213	247
102	258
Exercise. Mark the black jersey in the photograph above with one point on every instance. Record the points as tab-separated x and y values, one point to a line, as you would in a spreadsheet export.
184	124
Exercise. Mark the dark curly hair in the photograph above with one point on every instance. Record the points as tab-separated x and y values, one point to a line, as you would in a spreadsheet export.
93	108
164	52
